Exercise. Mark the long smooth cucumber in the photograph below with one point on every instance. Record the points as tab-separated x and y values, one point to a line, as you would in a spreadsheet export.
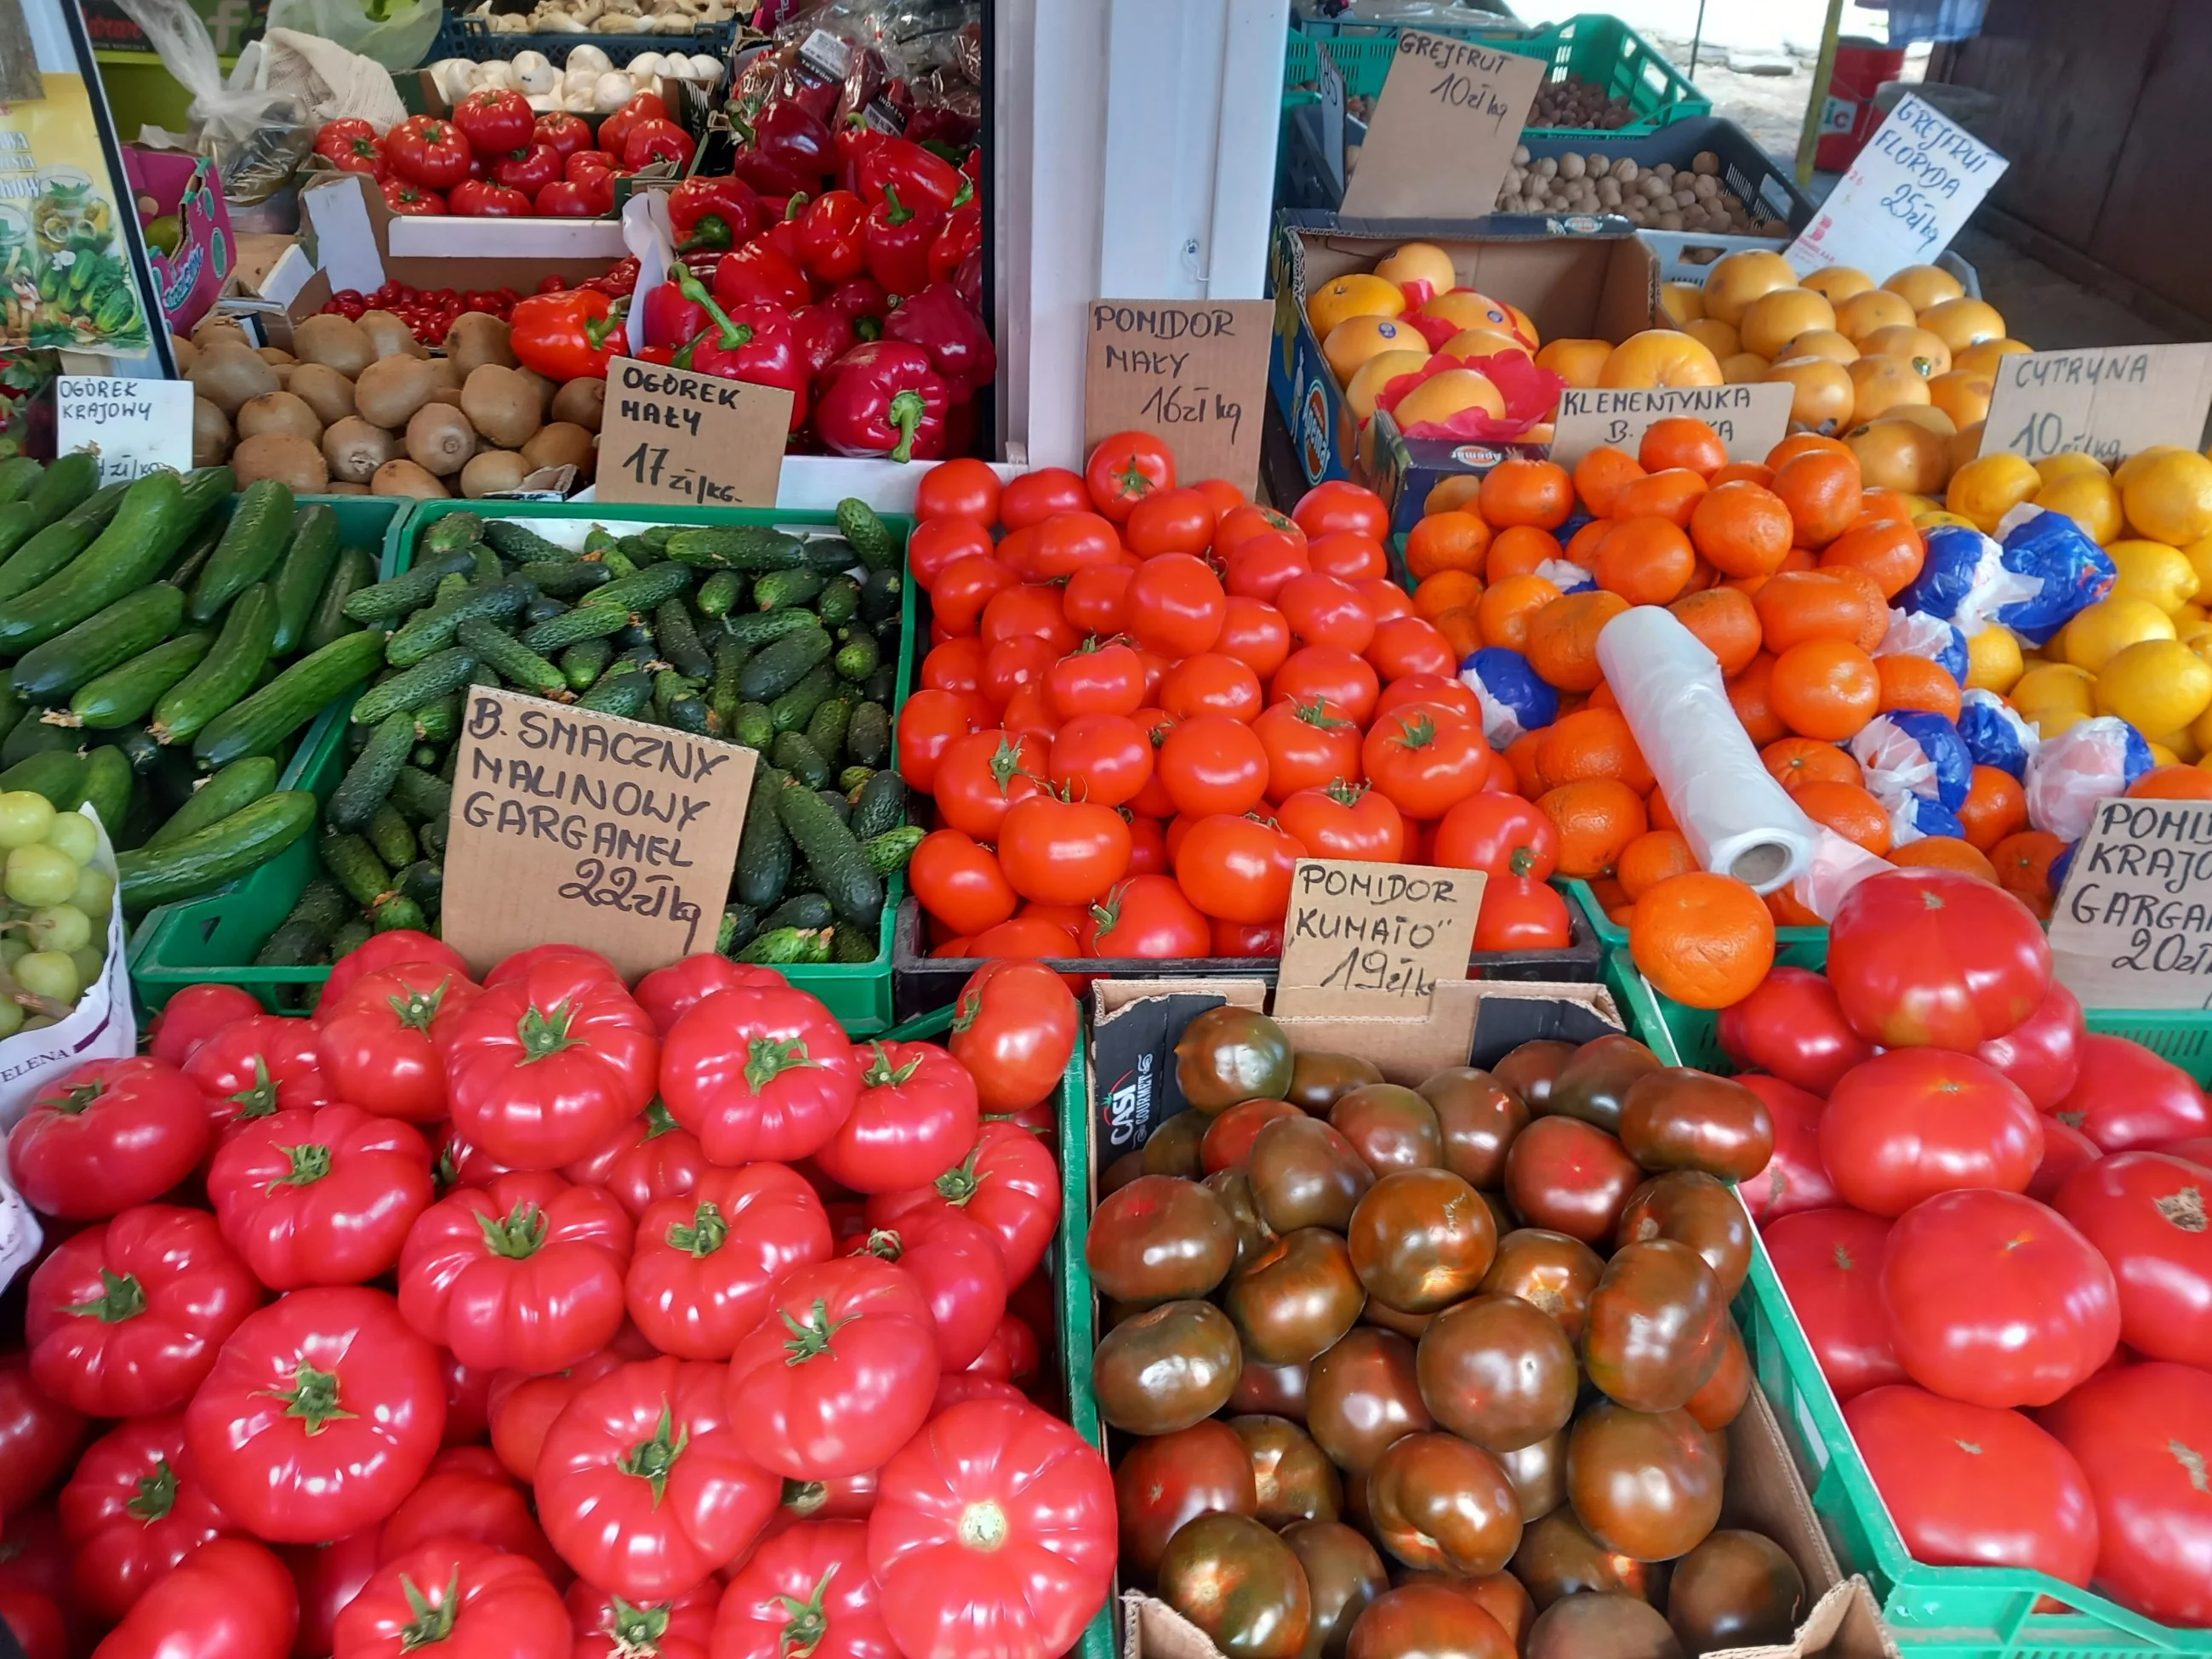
239	785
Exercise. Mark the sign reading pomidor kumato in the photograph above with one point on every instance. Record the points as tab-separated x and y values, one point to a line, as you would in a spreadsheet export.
1373	939
2132	926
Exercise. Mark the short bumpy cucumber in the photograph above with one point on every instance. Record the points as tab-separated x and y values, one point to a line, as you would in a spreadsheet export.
584	662
828	554
388	832
832	853
888	853
451	533
753	726
763	864
295	944
109	638
871	537
302	573
422	797
839	601
586	622
368	781
521	545
287	702
108	782
720	592
59	774
639	594
516	663
881	596
387	602
355	570
436	627
565	579
677	635
878	804
752	629
852	944
354	865
800	910
204	859
868	735
237	786
788	947
825	729
792	711
128	554
737	547
260	530
226	674
627	695
124	695
801	759
411	688
781	664
780	590
858	658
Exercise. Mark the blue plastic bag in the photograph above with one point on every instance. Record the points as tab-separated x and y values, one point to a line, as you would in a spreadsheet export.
1913	753
1515	700
1996	734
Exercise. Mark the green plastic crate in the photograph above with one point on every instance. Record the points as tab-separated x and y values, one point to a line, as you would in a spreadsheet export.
217	937
1601	50
1934	1613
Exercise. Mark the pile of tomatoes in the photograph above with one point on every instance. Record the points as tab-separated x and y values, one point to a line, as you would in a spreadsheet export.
1144	702
1991	1224
1480	1328
538	1317
429	312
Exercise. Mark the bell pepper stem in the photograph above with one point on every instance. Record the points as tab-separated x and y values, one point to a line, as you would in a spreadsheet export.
906	414
733	335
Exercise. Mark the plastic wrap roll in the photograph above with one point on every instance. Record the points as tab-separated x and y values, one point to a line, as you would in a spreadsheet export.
1737	819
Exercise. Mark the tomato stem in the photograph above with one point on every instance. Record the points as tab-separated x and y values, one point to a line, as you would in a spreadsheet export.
312	1398
652	1460
982	1526
310	1163
810	1339
431	1623
75	1098
518	1235
804	1497
959	1184
770	1057
121	1297
419	1008
157	1493
883	1242
260	1100
543	1032
881	1073
636	1630
658	1121
706	1233
805	1623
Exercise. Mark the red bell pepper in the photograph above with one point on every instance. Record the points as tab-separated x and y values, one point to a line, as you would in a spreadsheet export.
830	236
862	302
759	275
570	336
529	169
929	182
721	212
615	129
883	400
656	140
619	281
856	141
960	236
495	121
582	161
939	321
789	144
568	135
783	234
824	336
897	238
754	344
667	318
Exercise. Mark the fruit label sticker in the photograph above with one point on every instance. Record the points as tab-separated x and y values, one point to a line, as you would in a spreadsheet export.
568	824
1362	940
131	426
2111	401
668	434
1918	180
1750	419
1443	130
1194	371
2132	927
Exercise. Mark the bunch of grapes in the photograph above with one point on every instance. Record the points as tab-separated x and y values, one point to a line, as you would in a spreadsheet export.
53	916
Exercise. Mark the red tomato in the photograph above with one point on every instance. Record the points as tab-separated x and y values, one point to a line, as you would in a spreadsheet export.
929	723
424	151
1321	609
230	1598
107	1134
1911	1123
1011	665
1995	1299
1348	554
1148	848
1336	506
1012	1354
1935	958
1247	938
2065	1149
1029	712
126	1318
807	1590
645	1484
1238	869
959	882
1254	633
1224	496
250	1069
1795	1178
980	776
995	1528
39	1437
132	1511
2128	1097
964	587
1146	915
35	1619
2145	1214
1127	468
937	543
1499	835
1099	676
1793	1026
916	1117
467	1599
1429	688
579	959
467	1494
700	1277
1174	605
668	994
523	1275
760	1072
1028	612
608	1626
1240	525
2130	1430
959	489
1969	1487
2042	1054
1211	683
320	1197
1830	1262
1035	497
1427	758
1014	1027
1310	745
543	1068
1009	1183
522	1408
956	1260
1212	763
1520	912
1404	646
1259	566
1343	677
328	1577
1031	936
1103	759
1170	521
1384	597
1068	542
1344	821
1095	598
1065	852
323	1411
192	1016
955	666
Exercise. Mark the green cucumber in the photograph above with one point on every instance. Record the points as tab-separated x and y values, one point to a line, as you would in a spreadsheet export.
387	602
124	695
764	854
754	726
756	628
388	833
206	490
436	628
858	658
287	702
59	774
515	663
586	622
839	600
128	554
354	863
137	622
787	947
881	596
828	555
46	554
565	579
871	537
260	529
302	574
868	735
355	570
737	547
19	475
781	664
421	881
781	590
584	662
226	674
640	593
800	910
199	547
678	638
627	695
457	531
736	929
825	729
237	786
833	854
720	592
801	759
792	711
206	859
524	546
887	853
12	709
878	804
414	688
108	782
427	799
19	523
295	944
64	487
367	781
32	737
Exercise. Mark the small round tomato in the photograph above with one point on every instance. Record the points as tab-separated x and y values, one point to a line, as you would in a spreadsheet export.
1254	632
1144	915
1409	645
1911	1123
1426	757
929	722
1792	1026
1211	683
964	588
980	777
1321	609
1095	598
1035	497
955	664
1126	469
1066	543
1105	759
1238	869
1175	605
959	882
1310	744
1259	566
1384	597
1027	612
1338	506
1343	677
1024	937
1346	821
1063	852
1170	521
1830	1263
1148	846
1521	913
1011	665
1099	676
1499	835
1348	554
1241	523
1212	763
936	545
963	488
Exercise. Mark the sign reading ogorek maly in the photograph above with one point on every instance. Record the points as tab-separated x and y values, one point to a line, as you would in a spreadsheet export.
569	825
2132	926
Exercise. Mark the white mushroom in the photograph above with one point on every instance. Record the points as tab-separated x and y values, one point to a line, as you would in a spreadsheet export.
645	66
534	72
577	83
707	70
497	74
612	91
588	58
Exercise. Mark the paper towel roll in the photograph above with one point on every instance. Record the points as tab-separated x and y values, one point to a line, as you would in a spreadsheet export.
1737	819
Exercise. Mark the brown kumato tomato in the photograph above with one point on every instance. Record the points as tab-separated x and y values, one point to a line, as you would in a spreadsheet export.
1240	1585
1296	1298
1551	1272
1390	1127
1166	1480
1166	1368
1293	1477
1477	1116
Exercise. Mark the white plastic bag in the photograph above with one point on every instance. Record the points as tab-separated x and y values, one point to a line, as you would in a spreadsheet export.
222	118
332	83
2090	760
397	33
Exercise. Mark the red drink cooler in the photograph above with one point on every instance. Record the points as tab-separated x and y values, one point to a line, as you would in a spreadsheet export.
1849	118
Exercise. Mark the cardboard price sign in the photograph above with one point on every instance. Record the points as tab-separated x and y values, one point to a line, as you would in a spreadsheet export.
1193	371
668	434
1750	419
1373	939
1917	182
132	426
1443	130
2109	400
2132	927
567	824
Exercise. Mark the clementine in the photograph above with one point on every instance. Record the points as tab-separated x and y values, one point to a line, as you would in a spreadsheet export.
1794	762
1703	939
1849	808
1822	494
1506	607
1596	819
1945	853
1724	623
1996	806
1650	859
1592	742
1563	638
1646	560
1447	541
1601	475
1916	682
1518	491
1682	440
1826	688
1740	528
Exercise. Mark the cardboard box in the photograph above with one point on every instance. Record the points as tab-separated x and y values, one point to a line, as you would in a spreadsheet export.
1592	278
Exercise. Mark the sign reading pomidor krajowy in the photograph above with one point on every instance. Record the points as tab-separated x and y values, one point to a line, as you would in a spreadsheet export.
2132	926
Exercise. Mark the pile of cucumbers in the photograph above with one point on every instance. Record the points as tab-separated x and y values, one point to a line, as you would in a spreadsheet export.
786	644
164	643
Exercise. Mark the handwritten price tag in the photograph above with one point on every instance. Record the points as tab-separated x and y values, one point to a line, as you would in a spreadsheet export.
132	426
668	434
2132	927
1443	130
1373	939
1195	372
1919	180
1749	419
2111	401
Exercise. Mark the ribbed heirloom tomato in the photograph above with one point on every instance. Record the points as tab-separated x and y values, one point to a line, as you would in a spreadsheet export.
807	1590
107	1134
468	1494
1009	1183
956	1260
916	1117
610	1626
541	1067
759	1072
1935	958
459	1599
651	1157
132	1511
250	1069
383	1044
320	1197
705	1261
230	1596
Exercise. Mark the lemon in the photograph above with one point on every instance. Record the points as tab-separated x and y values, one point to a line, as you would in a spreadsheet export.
2194	629
2199	554
2070	463
2154	685
2136	463
1986	489
2200	732
2108	627
2170	500
2049	723
2182	744
1926	521
1993	660
2160	754
2053	685
2087	498
2153	571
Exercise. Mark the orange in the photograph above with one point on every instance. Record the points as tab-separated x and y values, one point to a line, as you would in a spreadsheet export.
1462	631
1650	859
1355	339
1962	395
1581	546
1672	494
1996	806
1876	627
1454	493
1519	491
1601	696
1563	638
1916	682
1519	549
1962	322
1901	455
1772	320
1478	343
1742	529
1783	905
1447	590
1372	378
1822	494
1682	440
1507	607
1751	694
1646	560
1826	688
1355	296
1945	853
1735	282
1756	472
1924	286
1596	819
1796	605
1592	742
1888	549
1744	369
1521	752
1803	443
1447	541
1660	356
1880	385
1926	352
1579	362
1419	263
1862	313
1601	475
1793	762
1661	815
1839	283
2171	783
1822	395
1849	808
1722	620
2023	866
1717	337
1703	939
1827	342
